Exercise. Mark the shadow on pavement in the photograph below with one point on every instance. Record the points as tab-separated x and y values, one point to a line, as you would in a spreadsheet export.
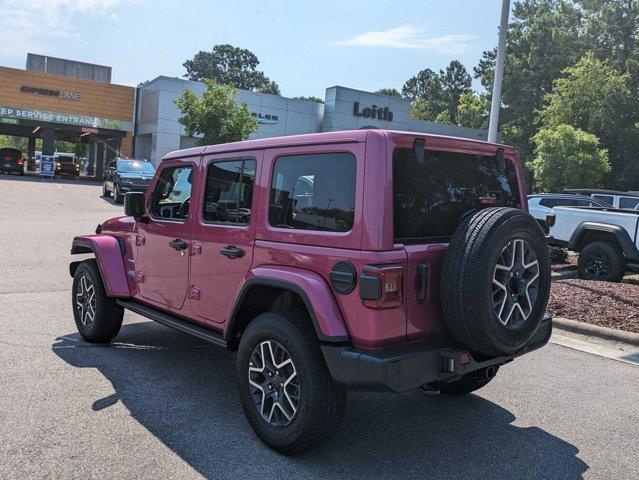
184	393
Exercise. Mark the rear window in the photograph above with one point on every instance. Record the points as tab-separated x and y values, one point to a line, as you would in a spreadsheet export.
431	197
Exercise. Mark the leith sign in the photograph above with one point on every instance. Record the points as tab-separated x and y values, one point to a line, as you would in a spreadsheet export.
373	112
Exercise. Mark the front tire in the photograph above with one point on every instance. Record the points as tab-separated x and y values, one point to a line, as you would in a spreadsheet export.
601	261
97	316
117	195
105	190
297	406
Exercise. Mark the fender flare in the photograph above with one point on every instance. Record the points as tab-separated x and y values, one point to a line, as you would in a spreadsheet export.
311	288
108	255
628	247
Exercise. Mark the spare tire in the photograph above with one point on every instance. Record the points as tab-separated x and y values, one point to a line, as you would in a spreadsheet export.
495	281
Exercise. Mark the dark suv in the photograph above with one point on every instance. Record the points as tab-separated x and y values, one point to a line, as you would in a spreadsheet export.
67	164
363	259
11	161
124	175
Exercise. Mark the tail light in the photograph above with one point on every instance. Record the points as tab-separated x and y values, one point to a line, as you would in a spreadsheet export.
381	286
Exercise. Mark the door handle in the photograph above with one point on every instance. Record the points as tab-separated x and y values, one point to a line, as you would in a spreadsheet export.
178	244
232	252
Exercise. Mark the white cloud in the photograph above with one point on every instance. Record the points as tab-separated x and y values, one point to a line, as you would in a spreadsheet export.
409	37
28	25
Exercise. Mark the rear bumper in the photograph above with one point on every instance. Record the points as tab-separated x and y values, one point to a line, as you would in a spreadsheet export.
409	366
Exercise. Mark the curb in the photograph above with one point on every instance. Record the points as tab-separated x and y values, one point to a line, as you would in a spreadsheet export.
596	331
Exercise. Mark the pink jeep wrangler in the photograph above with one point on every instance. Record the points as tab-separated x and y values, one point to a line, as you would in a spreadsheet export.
362	259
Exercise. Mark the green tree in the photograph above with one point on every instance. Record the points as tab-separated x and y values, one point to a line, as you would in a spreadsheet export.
544	37
442	90
566	156
595	97
473	110
422	110
310	99
612	32
426	85
229	65
216	116
390	92
455	81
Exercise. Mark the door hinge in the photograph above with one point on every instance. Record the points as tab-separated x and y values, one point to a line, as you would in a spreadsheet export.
194	293
138	277
139	240
196	249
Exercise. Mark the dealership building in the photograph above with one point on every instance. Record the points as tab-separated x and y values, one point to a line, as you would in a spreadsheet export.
58	99
159	132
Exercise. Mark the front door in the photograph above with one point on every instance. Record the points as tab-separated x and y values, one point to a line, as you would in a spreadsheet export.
162	263
222	249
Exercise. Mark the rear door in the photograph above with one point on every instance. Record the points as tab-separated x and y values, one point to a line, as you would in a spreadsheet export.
162	263
430	197
223	233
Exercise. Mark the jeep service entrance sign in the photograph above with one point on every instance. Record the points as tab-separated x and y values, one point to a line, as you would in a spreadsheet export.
47	166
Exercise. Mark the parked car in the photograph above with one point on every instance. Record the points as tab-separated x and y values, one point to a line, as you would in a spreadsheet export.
541	205
612	198
605	238
394	267
126	175
67	164
11	161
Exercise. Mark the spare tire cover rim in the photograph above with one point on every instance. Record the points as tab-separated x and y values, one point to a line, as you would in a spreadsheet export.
515	285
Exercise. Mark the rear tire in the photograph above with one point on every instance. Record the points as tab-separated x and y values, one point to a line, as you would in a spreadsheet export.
315	404
601	261
97	316
468	383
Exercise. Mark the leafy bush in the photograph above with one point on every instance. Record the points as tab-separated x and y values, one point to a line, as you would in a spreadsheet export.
566	156
557	254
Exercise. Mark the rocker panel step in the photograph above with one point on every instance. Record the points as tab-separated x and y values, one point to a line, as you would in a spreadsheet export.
176	323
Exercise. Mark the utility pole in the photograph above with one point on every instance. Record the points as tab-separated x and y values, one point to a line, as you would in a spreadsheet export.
499	72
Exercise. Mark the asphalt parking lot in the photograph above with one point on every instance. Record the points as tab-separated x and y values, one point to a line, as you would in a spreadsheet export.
158	404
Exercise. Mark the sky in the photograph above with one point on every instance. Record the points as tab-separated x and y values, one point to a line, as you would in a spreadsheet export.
304	46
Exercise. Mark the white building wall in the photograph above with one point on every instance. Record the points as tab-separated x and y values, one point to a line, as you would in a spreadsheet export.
277	116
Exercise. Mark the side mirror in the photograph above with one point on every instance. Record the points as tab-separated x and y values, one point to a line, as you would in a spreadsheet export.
134	205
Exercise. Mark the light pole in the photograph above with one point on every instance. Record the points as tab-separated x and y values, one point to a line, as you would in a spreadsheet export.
499	72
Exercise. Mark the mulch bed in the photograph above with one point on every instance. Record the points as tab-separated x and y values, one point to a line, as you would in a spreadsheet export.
613	305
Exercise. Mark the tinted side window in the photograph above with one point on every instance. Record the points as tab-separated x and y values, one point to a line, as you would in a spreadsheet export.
313	192
607	199
628	202
431	197
229	191
548	202
171	192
